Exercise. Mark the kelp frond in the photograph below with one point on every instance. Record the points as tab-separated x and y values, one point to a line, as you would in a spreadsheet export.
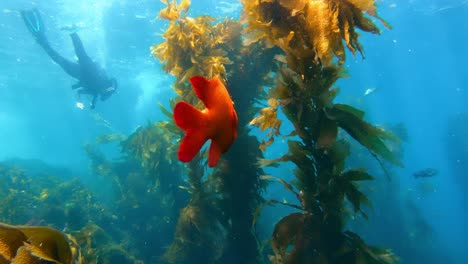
286	185
108	138
174	11
194	46
355	250
310	29
285	234
346	184
272	202
372	137
268	119
314	36
36	244
151	144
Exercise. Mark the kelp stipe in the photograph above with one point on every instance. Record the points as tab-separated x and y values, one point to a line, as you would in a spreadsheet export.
307	41
312	36
199	46
199	233
187	51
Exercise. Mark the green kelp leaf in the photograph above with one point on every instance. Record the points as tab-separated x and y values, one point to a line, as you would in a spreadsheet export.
377	255
165	111
170	127
298	154
281	91
135	136
356	198
328	133
330	74
189	189
146	144
340	151
286	185
286	231
357	175
292	134
271	202
355	250
297	148
104	139
264	144
272	162
346	185
371	137
328	96
349	109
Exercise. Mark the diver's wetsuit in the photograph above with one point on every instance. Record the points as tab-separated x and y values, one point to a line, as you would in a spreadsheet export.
92	79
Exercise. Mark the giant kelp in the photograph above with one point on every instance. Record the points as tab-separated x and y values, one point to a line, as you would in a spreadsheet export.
186	53
199	233
37	244
145	180
297	49
57	200
305	29
132	224
193	46
209	47
303	43
34	194
312	36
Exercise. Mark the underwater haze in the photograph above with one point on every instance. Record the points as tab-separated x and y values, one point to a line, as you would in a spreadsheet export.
109	174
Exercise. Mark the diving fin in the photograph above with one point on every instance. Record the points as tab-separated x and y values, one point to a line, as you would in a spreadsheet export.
33	22
77	85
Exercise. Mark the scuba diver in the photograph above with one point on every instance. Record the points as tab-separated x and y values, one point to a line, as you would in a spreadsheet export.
92	79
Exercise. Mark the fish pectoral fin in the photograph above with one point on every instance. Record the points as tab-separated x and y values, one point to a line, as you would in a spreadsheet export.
191	144
214	154
187	117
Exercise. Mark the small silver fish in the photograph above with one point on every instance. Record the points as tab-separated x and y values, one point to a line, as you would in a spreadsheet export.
369	91
426	173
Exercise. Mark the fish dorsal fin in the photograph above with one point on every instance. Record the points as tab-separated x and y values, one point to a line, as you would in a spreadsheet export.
215	153
205	89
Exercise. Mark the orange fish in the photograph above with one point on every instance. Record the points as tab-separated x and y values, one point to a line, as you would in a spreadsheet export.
218	121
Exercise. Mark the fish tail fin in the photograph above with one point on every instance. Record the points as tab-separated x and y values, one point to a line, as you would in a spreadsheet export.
191	121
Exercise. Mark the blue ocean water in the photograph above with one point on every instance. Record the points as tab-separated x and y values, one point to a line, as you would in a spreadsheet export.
414	74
